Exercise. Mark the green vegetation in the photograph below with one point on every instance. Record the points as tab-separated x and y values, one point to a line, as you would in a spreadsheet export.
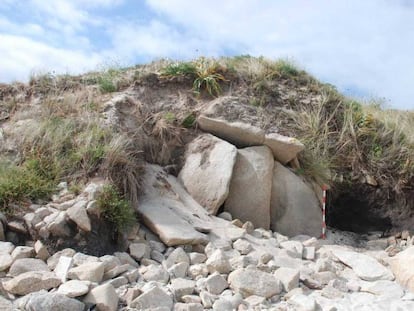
22	183
115	208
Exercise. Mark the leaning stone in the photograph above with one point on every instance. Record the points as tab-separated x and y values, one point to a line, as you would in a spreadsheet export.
126	259
254	282
182	287
288	277
177	255
54	259
191	299
366	267
118	281
77	213
115	271
59	227
152	299
92	272
23	265
254	301
295	208
74	288
53	301
63	266
104	296
198	270
284	148
5	261
31	281
207	171
41	250
251	185
309	253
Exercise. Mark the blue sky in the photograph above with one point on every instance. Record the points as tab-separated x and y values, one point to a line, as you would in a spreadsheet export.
365	48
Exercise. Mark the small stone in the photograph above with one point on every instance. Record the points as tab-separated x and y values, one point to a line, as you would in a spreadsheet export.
17	226
242	246
156	273
31	281
294	248
53	301
176	256
59	227
216	284
188	307
197	271
248	226
255	300
226	216
104	296
218	262
23	265
92	272
74	288
191	299
302	302
405	235
5	261
22	252
131	294
63	266
41	250
54	259
222	305
207	299
237	222
182	287
139	250
6	247
152	299
115	271
178	270
196	258
125	258
132	275
309	253
288	277
118	281
77	213
80	259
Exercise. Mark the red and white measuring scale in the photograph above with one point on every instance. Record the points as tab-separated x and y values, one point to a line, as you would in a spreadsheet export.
324	188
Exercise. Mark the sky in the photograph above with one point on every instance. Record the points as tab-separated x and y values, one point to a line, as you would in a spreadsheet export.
365	48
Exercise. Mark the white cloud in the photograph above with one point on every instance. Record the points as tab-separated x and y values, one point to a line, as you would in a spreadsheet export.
20	55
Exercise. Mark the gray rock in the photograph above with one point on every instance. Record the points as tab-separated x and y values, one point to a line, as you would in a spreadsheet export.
196	258
182	287
169	211
5	305
126	259
288	277
23	265
54	259
302	302
32	281
295	208
77	213
218	262
58	226
207	171
115	271
254	282
179	270
104	296
216	284
178	255
139	250
197	270
152	299
118	281
226	216
6	247
242	246
251	185
188	307
222	305
366	267
63	266
80	259
284	148
53	301
41	250
74	288
156	273
22	252
5	261
401	266
92	272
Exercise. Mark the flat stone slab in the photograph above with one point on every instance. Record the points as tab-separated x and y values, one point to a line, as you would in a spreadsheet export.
366	267
284	148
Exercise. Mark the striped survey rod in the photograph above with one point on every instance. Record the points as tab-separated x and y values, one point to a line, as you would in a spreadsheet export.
324	188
